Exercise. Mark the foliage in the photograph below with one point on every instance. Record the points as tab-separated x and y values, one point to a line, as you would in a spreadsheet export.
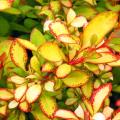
59	59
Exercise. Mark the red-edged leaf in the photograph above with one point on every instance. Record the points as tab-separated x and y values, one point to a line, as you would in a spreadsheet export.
65	114
88	105
48	105
5	94
2	59
99	96
54	28
24	106
33	93
66	3
26	44
96	27
19	92
79	21
115	63
105	58
49	86
47	67
65	38
107	111
70	15
116	115
13	104
3	110
63	70
99	116
55	53
87	115
79	112
17	79
18	55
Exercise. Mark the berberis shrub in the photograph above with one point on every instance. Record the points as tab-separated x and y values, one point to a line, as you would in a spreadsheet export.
59	60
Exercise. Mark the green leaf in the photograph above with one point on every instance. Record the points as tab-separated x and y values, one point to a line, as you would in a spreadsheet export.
87	89
22	116
16	3
116	75
48	13
115	41
37	37
76	79
115	47
18	27
37	113
87	11
48	105
25	8
30	23
13	11
4	26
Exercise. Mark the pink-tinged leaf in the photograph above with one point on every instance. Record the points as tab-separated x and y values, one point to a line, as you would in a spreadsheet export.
26	44
65	114
79	21
108	68
3	110
66	3
101	66
87	115
46	25
105	58
65	38
13	104
47	67
99	96
108	111
116	115
24	106
48	105
18	55
79	112
54	28
33	93
99	116
19	92
17	79
70	15
5	94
